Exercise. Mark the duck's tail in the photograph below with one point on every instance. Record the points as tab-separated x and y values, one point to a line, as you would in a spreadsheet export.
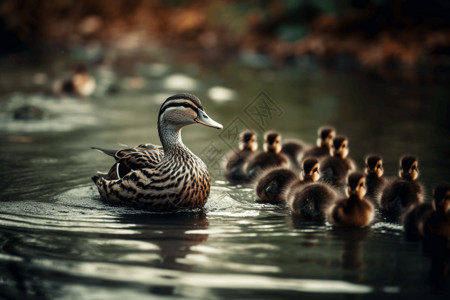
106	151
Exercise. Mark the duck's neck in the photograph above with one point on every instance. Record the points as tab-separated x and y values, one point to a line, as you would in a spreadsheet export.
354	198
307	179
170	137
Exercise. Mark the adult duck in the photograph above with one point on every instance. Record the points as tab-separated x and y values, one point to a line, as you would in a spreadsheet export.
162	178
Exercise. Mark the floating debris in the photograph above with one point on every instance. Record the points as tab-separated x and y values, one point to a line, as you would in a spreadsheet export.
20	139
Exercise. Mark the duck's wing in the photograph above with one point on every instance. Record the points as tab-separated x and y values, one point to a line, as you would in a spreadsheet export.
141	157
127	160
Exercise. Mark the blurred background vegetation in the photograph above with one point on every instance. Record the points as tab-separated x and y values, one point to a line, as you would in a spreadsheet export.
384	37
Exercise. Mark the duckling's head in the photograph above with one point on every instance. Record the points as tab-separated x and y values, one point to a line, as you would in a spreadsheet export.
326	135
409	167
311	169
248	141
340	146
374	165
184	109
356	184
441	200
272	142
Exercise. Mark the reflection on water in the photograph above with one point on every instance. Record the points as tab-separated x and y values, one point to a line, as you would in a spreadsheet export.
58	240
171	233
352	256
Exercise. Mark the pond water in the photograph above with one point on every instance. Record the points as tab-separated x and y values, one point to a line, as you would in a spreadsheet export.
60	241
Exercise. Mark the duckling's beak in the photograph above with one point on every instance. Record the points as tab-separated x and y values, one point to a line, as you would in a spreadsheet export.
204	119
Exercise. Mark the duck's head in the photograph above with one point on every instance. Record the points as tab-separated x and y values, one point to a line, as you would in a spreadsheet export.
248	141
356	184
184	109
374	165
326	135
272	142
311	169
340	146
441	200
409	167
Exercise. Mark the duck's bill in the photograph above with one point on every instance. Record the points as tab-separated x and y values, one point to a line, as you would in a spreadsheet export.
204	119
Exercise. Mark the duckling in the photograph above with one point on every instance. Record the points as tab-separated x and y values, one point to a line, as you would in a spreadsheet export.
404	192
309	198
437	223
413	218
235	160
293	149
335	169
270	157
79	84
325	138
355	210
310	172
271	184
375	182
172	180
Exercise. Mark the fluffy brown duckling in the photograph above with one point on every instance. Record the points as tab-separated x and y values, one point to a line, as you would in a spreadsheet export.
309	198
236	159
325	138
413	218
79	84
269	158
355	210
437	223
310	173
334	169
271	185
404	192
375	182
293	149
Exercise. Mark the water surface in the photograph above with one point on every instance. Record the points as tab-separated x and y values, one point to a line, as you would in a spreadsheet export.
60	241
